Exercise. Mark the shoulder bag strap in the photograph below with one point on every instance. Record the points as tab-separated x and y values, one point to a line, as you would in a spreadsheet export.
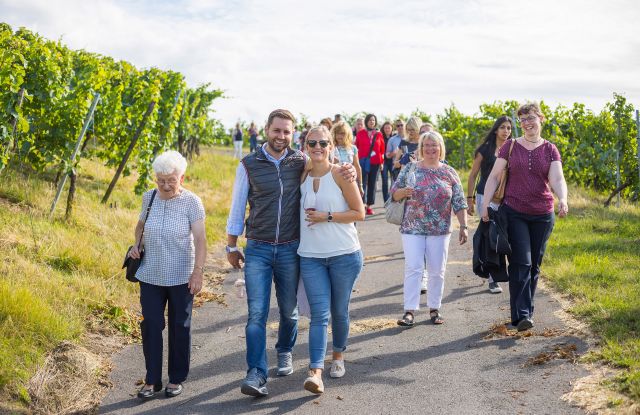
373	142
153	196
510	149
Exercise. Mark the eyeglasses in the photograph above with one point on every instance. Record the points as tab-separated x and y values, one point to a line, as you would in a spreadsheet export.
171	182
527	119
313	143
399	125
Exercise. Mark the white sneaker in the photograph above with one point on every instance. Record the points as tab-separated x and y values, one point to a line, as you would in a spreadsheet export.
314	383
337	369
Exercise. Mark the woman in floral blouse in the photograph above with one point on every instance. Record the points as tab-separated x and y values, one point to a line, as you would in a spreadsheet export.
432	190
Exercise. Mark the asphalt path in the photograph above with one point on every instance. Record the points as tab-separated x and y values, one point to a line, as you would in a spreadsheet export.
461	367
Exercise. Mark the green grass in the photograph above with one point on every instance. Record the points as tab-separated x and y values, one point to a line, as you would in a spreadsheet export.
59	279
594	256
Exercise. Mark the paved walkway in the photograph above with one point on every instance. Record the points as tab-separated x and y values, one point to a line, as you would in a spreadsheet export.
461	367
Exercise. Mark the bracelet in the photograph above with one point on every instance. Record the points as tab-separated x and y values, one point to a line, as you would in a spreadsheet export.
471	197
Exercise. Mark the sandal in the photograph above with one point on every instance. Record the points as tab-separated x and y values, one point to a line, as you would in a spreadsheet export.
406	320
436	317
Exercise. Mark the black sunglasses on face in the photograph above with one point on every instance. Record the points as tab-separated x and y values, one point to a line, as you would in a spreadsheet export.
313	143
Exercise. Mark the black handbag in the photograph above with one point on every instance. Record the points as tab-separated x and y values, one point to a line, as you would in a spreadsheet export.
132	264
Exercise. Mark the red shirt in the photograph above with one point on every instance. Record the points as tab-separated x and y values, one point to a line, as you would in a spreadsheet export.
363	142
528	188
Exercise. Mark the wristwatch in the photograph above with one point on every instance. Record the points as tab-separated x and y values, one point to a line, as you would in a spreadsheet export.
329	217
231	249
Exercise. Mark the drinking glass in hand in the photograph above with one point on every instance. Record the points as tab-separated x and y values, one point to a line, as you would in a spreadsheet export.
309	204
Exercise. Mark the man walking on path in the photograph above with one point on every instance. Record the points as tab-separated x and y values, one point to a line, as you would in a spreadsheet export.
269	179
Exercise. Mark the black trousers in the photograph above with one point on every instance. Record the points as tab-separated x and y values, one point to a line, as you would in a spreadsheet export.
528	236
369	183
154	299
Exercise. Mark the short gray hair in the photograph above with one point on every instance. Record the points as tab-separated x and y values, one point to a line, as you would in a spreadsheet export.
170	162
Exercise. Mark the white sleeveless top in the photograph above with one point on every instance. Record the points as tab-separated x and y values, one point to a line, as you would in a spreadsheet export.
325	239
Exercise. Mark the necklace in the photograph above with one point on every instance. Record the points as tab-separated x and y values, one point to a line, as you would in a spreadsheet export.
534	142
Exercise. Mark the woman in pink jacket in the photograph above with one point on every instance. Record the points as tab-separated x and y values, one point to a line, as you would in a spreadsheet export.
371	155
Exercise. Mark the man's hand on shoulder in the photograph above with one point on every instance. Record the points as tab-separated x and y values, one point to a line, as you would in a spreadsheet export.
348	172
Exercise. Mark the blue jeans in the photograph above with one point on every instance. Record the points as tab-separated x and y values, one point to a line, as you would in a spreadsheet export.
328	283
265	262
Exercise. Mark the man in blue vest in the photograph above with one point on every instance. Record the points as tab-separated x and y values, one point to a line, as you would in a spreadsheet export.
269	180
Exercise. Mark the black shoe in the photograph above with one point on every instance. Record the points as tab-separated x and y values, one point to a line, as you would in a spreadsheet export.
173	392
145	394
524	324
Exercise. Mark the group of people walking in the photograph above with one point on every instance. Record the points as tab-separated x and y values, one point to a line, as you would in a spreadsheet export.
301	233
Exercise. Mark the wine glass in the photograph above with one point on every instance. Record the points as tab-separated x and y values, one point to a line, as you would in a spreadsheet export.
410	180
309	203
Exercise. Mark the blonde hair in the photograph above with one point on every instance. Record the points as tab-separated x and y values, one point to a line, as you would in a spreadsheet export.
433	136
414	123
342	127
322	129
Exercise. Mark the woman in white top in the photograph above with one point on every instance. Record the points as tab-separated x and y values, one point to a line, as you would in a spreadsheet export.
330	256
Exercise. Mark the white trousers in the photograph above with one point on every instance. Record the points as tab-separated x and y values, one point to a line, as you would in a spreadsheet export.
416	248
237	149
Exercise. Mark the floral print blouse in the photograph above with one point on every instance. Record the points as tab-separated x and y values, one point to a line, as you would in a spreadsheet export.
436	193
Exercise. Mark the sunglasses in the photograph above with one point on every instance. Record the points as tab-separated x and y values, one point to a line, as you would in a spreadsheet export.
313	143
399	125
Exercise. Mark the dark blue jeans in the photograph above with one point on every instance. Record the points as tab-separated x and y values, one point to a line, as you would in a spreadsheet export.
387	176
528	236
154	299
266	262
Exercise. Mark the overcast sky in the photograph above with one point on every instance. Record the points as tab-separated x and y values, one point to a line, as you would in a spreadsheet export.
387	57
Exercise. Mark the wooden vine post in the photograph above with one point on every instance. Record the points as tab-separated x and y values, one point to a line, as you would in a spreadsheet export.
146	115
87	120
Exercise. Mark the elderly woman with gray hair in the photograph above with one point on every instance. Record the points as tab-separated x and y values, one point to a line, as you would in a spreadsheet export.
170	273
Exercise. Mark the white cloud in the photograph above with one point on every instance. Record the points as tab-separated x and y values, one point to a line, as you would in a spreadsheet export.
382	56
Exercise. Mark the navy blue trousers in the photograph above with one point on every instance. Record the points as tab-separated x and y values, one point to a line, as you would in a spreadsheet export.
154	300
528	236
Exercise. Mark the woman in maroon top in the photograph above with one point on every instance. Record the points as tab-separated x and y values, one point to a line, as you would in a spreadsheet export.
370	154
535	169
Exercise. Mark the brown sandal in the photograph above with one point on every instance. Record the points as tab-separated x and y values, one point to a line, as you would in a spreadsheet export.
436	317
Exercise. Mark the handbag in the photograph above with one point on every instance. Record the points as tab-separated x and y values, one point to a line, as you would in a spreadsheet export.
504	175
394	211
132	264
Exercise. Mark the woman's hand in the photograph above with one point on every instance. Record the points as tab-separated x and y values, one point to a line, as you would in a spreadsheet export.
134	252
471	208
348	172
463	235
405	192
484	214
195	281
563	209
314	216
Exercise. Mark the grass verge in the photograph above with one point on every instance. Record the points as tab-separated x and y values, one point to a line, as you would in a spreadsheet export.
60	279
594	256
